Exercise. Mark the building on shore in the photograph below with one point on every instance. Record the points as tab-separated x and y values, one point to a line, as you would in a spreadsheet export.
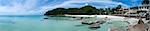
145	5
143	9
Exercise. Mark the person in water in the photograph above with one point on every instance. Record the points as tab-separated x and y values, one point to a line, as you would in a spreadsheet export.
107	20
81	18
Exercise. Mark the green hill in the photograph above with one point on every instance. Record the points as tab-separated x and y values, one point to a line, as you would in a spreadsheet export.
86	10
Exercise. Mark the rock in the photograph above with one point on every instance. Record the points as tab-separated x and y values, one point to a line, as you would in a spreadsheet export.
45	18
114	29
95	26
100	22
87	23
138	27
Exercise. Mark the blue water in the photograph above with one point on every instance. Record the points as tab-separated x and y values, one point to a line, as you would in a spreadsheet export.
37	23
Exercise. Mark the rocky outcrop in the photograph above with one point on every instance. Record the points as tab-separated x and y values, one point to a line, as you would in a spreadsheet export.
140	26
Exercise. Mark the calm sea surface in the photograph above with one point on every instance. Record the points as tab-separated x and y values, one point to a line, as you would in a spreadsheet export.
38	23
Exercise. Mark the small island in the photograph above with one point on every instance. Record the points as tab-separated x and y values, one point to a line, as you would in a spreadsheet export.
86	10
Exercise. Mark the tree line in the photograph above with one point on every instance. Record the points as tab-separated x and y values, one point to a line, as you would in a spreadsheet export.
86	10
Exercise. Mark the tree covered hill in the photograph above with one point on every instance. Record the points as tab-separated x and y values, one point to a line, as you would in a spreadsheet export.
86	10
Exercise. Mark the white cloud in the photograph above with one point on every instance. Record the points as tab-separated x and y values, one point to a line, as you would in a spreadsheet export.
68	4
29	7
18	8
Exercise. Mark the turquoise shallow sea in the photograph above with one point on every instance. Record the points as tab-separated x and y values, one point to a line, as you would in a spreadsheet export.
38	23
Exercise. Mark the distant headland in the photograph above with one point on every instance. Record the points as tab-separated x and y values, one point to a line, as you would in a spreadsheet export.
86	10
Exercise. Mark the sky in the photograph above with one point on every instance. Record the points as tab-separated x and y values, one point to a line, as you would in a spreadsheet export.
39	7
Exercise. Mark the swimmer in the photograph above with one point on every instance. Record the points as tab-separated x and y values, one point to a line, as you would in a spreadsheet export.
107	19
81	18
